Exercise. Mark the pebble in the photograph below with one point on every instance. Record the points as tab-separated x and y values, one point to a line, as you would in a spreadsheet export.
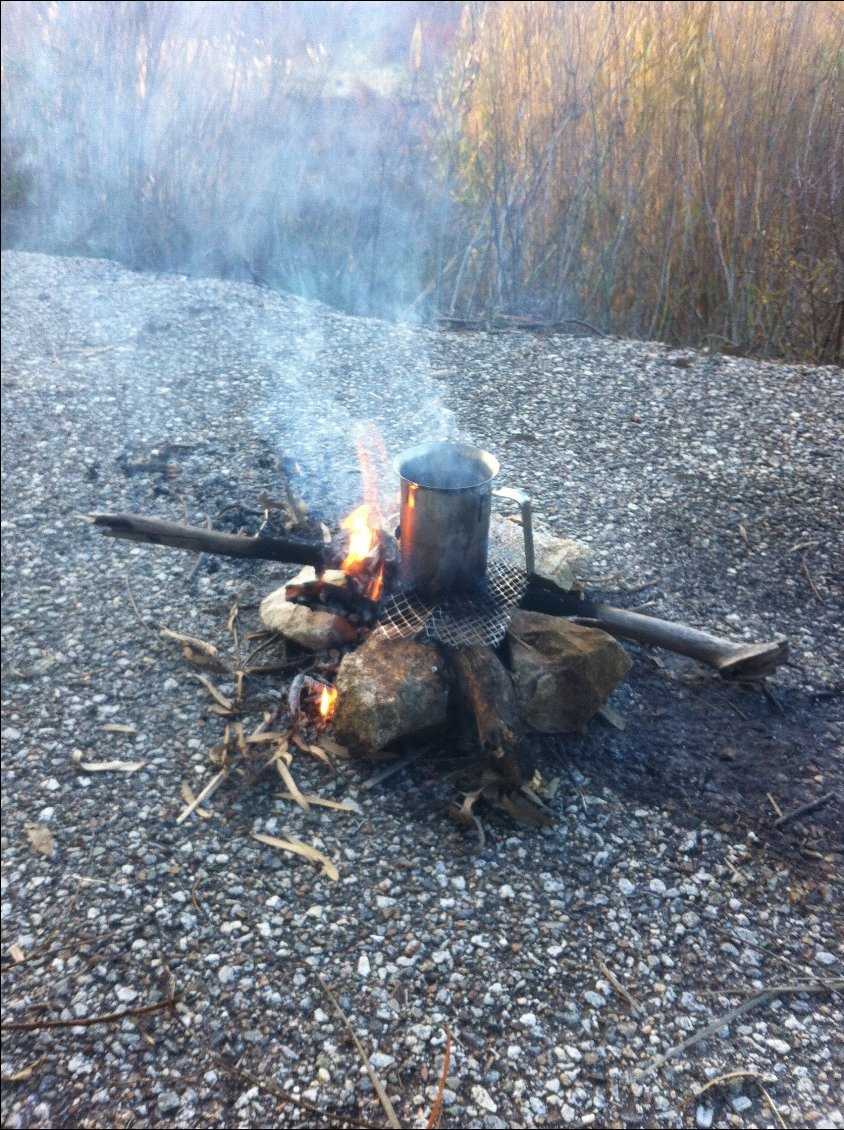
363	967
704	1116
626	887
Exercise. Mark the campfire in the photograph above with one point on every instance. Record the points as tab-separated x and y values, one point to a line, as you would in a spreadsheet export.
441	633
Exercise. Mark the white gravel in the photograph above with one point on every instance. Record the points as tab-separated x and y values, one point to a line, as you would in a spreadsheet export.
570	966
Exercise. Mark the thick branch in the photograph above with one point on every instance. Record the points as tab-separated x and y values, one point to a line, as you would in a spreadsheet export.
158	531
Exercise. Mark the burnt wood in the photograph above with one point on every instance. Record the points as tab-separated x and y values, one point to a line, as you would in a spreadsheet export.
486	688
159	531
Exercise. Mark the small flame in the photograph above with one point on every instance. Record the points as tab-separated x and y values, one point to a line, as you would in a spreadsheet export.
327	701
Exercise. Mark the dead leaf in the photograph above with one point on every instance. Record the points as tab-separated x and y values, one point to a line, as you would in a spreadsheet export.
299	848
40	837
218	696
16	953
111	766
334	748
119	728
300	743
24	1073
321	802
295	792
189	798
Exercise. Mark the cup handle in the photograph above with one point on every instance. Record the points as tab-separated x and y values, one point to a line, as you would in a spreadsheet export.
523	501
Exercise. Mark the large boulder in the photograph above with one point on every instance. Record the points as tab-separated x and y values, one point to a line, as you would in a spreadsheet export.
387	690
563	673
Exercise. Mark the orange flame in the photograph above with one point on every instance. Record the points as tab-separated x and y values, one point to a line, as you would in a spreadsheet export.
362	537
365	559
327	701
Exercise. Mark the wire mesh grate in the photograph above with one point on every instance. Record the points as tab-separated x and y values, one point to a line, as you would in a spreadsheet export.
460	620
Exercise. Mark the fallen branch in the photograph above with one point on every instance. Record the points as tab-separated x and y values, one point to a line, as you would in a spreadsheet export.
87	1021
809	806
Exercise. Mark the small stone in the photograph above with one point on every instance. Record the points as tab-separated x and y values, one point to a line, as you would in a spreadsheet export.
168	1101
779	1046
704	1116
626	887
380	1060
363	966
741	1103
125	995
482	1097
825	957
657	887
227	974
595	999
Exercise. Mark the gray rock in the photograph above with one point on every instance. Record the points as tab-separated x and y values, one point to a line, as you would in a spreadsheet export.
386	690
704	1116
562	672
310	628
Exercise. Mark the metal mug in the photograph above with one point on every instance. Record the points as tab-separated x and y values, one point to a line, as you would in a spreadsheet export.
446	502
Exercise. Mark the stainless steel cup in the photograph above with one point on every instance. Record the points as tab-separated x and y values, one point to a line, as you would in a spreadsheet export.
446	501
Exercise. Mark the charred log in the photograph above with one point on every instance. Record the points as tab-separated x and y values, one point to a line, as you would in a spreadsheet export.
158	531
486	689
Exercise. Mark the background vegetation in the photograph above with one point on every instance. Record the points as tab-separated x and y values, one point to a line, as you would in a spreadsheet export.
670	170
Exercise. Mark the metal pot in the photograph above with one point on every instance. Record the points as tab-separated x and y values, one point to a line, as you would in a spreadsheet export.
446	501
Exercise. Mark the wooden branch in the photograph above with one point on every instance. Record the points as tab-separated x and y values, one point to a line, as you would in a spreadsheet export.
158	531
487	688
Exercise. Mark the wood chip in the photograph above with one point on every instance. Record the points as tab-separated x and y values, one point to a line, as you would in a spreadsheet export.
299	848
111	766
16	953
40	837
611	715
119	728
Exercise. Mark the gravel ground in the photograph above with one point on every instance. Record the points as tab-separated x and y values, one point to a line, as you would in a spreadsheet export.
593	973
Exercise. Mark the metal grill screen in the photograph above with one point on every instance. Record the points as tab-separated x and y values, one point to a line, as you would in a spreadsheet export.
458	621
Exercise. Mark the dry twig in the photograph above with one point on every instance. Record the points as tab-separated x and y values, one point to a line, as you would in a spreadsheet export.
87	1021
438	1102
803	809
815	985
619	988
384	1098
744	1075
